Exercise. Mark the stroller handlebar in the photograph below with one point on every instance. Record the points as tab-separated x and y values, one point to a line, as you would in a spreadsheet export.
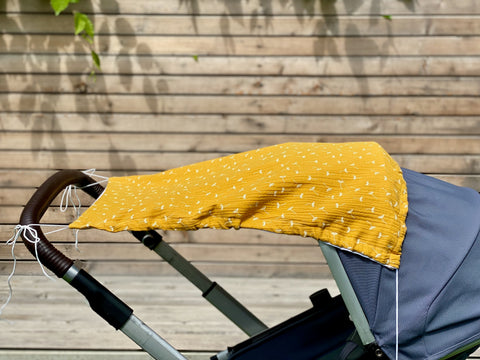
101	300
38	204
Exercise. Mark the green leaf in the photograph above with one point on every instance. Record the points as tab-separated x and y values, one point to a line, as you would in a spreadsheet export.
79	23
59	5
83	24
195	57
96	60
387	17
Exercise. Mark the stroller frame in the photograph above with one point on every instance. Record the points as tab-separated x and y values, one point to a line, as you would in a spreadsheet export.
121	317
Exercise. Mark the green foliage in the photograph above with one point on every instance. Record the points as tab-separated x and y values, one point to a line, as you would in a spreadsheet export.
387	17
83	26
59	5
96	59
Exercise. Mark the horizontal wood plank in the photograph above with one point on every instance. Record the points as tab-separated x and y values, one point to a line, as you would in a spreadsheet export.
158	142
365	125
248	46
299	105
161	268
233	7
242	85
246	24
154	162
112	160
126	63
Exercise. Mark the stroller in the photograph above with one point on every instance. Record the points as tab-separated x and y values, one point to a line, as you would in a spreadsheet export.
427	308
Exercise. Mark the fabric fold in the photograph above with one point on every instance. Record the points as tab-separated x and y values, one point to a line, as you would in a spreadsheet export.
351	195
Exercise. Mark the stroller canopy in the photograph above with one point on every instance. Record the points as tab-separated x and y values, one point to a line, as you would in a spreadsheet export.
353	196
350	195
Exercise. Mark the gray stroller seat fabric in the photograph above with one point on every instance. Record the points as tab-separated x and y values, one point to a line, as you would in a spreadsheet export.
438	279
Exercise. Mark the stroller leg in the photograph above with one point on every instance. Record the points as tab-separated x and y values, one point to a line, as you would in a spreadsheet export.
211	291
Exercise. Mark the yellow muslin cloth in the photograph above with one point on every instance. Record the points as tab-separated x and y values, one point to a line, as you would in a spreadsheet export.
351	195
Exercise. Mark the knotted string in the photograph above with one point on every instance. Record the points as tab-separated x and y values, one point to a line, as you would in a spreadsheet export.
91	173
70	195
30	234
67	197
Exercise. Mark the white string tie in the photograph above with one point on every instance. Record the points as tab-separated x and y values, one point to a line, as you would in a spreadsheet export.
91	173
396	314
30	235
101	180
68	197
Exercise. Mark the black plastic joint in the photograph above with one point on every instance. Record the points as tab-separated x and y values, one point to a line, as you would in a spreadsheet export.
102	300
150	239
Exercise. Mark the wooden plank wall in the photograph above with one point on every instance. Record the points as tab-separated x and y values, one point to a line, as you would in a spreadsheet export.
185	81
189	80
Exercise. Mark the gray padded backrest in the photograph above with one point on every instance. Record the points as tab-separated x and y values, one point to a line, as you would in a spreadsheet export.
439	276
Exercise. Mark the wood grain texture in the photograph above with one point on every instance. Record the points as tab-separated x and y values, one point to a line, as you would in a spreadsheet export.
44	125
246	24
232	7
157	142
243	85
130	64
209	104
188	81
313	46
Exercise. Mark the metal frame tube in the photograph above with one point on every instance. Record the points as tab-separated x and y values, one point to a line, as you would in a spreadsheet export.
348	294
149	340
112	309
214	293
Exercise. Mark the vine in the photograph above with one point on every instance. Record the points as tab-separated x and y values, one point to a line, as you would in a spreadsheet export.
82	24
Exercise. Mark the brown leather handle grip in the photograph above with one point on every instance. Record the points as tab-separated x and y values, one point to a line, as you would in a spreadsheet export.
48	255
